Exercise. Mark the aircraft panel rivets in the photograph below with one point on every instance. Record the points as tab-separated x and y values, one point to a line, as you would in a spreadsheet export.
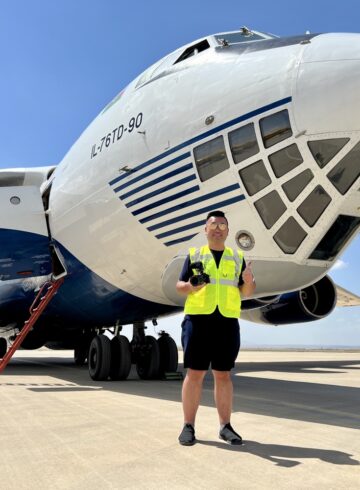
209	120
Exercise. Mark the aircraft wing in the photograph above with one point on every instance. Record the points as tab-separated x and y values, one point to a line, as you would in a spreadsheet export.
346	298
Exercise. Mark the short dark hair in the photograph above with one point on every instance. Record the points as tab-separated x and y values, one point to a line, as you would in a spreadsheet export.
216	214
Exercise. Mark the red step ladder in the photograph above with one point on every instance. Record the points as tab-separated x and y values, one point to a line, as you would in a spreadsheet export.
39	304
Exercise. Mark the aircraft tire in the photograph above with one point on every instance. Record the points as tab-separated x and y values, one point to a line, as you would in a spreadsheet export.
168	355
99	359
148	362
3	347
120	358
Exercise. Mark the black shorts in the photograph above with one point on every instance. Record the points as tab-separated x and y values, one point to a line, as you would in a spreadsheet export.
210	340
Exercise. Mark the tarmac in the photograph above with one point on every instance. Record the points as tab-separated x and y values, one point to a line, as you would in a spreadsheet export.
298	413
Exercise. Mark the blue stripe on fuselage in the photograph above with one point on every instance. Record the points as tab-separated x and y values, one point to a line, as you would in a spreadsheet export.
202	136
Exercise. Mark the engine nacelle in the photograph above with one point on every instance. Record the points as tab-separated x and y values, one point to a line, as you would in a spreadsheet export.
312	303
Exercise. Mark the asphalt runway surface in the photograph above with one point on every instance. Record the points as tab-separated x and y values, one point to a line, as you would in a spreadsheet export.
298	413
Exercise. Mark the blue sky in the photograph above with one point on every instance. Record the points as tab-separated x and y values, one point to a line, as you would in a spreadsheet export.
62	61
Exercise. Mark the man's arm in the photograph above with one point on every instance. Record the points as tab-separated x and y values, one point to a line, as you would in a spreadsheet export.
249	286
186	288
183	286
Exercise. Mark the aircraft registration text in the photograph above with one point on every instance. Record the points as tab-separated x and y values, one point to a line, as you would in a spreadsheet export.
116	135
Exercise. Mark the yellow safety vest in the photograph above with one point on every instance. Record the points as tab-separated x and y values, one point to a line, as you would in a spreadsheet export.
223	290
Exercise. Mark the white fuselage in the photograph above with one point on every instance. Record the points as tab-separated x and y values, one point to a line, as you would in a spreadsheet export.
318	84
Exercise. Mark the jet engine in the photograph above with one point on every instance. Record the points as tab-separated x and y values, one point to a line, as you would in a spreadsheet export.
311	303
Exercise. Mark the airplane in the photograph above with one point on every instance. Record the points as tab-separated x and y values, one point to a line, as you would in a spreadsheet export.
265	128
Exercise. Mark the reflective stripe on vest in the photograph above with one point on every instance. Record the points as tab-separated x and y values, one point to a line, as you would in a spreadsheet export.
222	291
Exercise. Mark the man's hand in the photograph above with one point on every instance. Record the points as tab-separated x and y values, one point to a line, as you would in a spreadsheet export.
248	288
195	289
186	288
247	275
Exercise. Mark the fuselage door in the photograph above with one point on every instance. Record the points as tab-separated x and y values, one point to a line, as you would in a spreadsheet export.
24	238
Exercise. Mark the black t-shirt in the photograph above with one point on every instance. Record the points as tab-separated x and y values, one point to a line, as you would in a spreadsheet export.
185	275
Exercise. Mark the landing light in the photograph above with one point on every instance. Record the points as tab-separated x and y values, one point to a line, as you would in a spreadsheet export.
245	240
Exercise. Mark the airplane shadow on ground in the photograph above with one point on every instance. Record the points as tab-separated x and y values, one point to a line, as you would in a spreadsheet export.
280	454
284	399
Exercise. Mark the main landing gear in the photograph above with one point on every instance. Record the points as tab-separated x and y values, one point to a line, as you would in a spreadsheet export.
112	358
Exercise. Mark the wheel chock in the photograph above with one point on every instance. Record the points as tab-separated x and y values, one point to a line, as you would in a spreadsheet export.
173	376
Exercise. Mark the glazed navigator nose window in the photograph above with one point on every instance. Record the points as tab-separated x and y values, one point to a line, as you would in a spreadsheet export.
297	184
255	177
243	143
290	236
347	171
211	159
285	160
270	208
275	128
314	205
324	150
335	238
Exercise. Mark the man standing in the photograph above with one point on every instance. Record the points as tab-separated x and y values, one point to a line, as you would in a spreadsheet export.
210	330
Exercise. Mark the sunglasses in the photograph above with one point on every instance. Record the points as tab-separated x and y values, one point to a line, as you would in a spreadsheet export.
221	226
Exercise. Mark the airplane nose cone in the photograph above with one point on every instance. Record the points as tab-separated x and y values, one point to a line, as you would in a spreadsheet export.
326	94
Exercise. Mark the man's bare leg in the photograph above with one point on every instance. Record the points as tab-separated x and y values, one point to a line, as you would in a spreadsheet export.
191	394
223	394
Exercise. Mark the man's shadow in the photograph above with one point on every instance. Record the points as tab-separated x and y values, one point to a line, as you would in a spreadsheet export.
280	455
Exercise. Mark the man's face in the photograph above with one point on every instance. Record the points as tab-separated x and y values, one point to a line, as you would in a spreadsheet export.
216	229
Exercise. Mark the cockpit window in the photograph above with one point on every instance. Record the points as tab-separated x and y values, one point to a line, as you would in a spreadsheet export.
170	60
146	76
193	50
113	101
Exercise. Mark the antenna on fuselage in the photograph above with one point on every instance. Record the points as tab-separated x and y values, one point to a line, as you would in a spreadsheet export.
126	169
223	42
245	31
